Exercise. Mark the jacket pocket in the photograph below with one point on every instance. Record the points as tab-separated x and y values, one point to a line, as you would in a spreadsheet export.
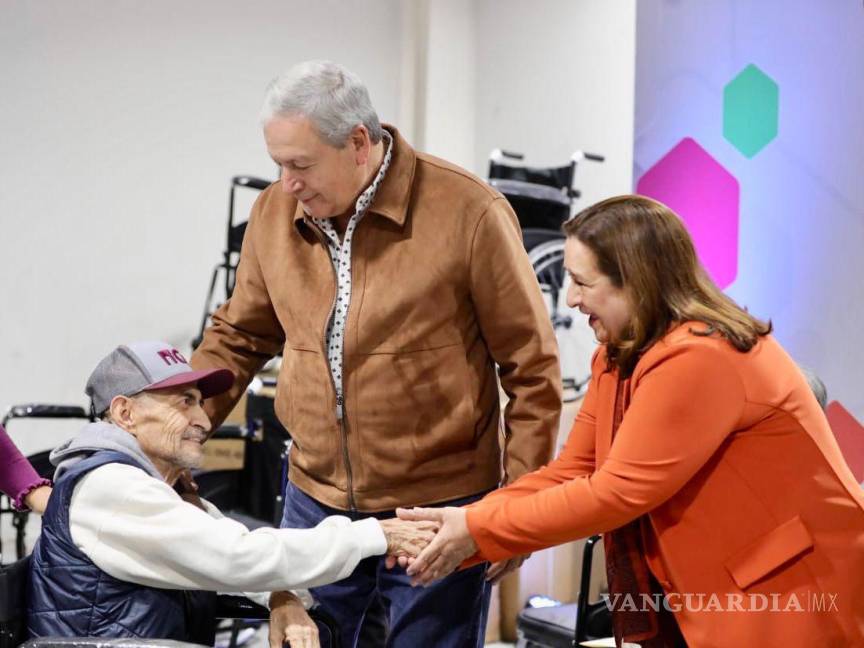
769	552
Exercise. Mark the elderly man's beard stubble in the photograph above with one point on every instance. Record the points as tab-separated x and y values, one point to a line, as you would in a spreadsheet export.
179	443
189	455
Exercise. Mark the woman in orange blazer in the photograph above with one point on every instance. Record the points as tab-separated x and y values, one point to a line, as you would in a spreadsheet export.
729	514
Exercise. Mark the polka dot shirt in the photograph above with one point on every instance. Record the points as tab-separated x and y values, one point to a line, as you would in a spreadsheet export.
340	255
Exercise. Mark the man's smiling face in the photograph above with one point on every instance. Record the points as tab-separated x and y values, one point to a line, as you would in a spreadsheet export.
171	426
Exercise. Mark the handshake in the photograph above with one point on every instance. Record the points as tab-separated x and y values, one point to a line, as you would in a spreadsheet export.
431	543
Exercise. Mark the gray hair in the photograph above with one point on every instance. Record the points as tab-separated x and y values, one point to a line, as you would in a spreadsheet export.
334	99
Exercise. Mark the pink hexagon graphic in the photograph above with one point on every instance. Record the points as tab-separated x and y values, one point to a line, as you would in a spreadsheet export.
706	196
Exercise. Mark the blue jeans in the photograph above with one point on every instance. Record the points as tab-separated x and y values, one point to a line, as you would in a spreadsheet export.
448	614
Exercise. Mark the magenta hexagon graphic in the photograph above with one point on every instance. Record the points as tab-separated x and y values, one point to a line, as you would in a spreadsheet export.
706	196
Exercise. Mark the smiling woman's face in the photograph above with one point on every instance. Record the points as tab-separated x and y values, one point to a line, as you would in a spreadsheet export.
608	307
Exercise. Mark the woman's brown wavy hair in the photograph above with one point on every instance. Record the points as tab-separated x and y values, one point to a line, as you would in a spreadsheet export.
643	247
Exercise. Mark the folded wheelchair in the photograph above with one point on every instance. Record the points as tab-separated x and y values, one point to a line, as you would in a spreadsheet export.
543	199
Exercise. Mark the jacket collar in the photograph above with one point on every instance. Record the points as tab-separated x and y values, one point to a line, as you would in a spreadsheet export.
392	198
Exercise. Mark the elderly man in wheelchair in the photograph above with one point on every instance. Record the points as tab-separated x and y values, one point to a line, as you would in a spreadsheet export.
124	554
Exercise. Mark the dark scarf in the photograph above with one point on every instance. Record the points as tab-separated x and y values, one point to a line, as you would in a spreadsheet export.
628	574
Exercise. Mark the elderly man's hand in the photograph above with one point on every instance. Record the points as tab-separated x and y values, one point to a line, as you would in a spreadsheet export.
406	539
290	623
452	544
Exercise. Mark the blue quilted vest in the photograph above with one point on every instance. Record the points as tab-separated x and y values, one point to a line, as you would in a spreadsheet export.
69	596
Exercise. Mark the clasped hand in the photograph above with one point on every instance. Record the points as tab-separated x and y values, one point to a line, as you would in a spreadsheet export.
431	543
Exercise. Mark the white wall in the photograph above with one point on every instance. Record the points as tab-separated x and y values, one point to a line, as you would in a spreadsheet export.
543	78
450	108
122	124
557	76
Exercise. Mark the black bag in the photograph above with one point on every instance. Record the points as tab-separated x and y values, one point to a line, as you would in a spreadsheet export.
565	626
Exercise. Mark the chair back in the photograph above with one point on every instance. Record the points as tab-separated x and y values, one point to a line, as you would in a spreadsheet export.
593	620
560	177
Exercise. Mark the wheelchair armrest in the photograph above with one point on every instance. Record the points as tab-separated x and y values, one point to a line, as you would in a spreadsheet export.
229	606
250	181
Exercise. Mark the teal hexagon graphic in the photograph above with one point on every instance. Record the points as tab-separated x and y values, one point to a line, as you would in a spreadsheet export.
750	107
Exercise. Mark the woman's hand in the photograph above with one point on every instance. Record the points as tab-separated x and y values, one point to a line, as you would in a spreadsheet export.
450	547
290	623
37	499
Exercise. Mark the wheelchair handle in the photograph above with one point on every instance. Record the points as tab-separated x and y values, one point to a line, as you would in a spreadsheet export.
499	154
578	156
39	410
513	155
249	181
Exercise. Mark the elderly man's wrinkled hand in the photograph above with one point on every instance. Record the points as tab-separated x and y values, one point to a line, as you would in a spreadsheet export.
452	544
406	539
290	623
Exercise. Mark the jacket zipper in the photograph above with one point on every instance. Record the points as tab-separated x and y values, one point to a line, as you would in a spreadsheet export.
340	408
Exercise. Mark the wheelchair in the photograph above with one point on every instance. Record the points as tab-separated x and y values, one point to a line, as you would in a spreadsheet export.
220	487
543	199
560	626
227	267
39	461
13	618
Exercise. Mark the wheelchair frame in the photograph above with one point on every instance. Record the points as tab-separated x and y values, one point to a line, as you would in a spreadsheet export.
13	615
543	199
13	577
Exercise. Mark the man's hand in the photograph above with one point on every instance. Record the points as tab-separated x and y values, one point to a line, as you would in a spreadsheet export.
500	569
290	623
186	486
452	544
405	540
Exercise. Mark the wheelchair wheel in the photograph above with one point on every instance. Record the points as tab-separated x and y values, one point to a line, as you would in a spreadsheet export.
576	342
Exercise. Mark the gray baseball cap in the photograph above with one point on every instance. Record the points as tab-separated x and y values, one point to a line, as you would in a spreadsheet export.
146	366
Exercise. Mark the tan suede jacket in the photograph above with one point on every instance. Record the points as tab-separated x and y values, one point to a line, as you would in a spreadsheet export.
442	291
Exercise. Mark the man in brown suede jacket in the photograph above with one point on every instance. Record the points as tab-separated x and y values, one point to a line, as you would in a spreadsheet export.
397	289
